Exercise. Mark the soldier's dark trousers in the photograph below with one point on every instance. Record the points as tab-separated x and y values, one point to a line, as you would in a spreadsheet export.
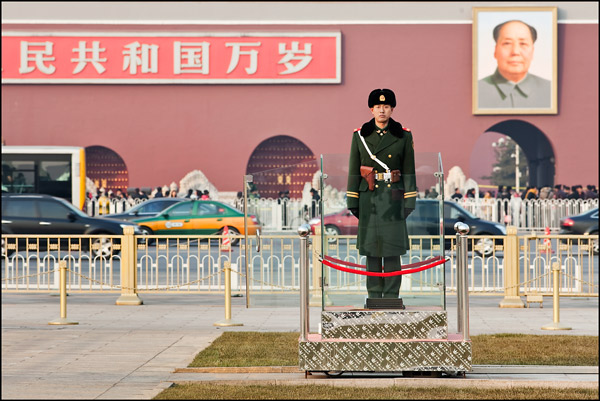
384	287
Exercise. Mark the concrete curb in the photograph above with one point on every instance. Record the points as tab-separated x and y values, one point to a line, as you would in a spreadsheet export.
400	382
476	369
535	369
242	369
481	376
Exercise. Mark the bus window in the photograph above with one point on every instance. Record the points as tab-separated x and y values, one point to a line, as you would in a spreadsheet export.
55	170
52	170
55	178
19	178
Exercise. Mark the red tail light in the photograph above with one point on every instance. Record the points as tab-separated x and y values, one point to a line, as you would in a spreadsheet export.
254	219
567	223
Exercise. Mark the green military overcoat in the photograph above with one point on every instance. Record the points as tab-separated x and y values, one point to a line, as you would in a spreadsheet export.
381	225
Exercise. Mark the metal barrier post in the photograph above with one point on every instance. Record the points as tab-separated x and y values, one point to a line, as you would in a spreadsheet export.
303	231
227	321
555	325
129	294
316	298
511	270
247	179
462	281
317	267
63	297
459	271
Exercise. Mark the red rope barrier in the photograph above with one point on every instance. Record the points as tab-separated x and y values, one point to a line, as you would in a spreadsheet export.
396	273
410	266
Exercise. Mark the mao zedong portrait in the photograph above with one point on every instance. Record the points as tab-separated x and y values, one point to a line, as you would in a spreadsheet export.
511	85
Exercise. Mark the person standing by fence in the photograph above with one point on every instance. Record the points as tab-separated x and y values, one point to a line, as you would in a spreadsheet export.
591	192
515	208
140	194
559	193
239	201
103	203
532	193
314	201
487	202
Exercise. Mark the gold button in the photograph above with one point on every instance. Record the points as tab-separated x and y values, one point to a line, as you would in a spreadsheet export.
376	186
375	171
389	185
390	156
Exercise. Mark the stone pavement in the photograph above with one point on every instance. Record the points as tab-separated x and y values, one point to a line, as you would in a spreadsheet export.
133	352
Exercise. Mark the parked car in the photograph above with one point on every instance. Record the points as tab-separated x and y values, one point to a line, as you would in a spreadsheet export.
199	217
582	224
46	215
149	208
424	220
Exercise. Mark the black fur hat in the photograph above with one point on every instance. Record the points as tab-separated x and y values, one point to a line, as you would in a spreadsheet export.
382	96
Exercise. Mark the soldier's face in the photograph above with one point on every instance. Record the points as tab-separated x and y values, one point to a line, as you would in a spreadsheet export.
382	112
514	51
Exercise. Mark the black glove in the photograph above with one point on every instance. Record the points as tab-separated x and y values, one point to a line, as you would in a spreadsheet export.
407	212
354	211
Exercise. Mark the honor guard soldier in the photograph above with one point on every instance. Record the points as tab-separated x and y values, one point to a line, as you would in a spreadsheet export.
382	192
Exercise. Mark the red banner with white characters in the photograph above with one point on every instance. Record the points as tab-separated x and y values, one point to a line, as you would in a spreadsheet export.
218	58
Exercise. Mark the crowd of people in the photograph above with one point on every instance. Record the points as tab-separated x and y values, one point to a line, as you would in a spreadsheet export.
138	193
104	197
559	191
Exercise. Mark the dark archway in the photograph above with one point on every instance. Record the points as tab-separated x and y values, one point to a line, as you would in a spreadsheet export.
537	148
106	168
281	163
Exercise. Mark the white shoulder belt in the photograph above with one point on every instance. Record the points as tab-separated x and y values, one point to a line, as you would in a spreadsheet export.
382	164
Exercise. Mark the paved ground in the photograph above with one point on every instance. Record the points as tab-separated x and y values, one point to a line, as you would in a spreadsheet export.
132	352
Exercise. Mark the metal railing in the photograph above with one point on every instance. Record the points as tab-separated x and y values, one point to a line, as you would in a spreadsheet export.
532	214
102	263
288	214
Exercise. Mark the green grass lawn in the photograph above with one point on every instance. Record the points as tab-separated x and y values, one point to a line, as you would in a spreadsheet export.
242	348
209	391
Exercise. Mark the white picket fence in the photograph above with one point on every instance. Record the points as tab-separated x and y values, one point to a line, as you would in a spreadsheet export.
533	214
282	215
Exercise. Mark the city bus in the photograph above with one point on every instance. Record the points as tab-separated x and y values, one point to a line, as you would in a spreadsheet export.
51	170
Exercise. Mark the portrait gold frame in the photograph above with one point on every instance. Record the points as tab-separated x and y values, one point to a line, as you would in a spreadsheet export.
484	21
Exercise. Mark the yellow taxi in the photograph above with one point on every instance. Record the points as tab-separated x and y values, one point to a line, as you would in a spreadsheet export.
199	217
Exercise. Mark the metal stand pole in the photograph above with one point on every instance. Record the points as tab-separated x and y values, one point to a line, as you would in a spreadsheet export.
227	321
462	281
303	231
465	285
555	325
247	179
459	270
63	297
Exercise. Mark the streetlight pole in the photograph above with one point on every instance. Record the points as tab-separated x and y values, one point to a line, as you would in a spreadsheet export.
517	172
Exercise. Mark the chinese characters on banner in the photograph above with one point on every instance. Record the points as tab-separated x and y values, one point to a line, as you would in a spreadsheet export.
162	58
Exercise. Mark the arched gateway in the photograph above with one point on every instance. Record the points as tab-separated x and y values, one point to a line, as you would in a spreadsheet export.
535	145
281	163
106	168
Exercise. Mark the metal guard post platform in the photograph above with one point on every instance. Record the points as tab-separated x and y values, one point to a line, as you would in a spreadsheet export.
413	341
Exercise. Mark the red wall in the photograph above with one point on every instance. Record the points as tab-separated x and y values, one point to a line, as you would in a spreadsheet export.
164	131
